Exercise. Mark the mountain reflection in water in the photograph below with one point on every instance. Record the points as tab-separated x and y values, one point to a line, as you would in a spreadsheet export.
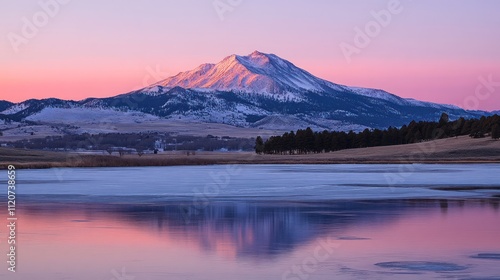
250	229
82	238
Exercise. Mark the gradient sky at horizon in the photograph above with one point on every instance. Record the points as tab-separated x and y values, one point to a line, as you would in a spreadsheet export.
433	50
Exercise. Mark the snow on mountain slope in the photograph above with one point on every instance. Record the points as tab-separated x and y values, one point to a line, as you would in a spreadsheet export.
257	73
378	93
5	105
384	95
153	90
430	104
283	123
14	109
288	123
89	115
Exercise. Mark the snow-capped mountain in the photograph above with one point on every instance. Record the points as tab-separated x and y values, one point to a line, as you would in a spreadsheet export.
254	73
258	90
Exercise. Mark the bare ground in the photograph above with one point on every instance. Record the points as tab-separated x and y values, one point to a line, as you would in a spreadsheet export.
451	150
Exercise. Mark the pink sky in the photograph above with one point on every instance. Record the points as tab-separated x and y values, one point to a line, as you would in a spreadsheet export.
433	51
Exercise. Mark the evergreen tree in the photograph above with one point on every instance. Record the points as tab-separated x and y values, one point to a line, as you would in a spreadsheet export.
300	141
327	140
457	126
318	143
259	145
342	141
363	139
309	140
466	129
375	138
444	119
350	140
495	131
290	143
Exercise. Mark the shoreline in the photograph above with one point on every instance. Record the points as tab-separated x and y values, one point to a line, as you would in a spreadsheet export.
240	158
54	165
461	150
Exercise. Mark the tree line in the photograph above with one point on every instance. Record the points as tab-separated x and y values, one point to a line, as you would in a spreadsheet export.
121	142
305	141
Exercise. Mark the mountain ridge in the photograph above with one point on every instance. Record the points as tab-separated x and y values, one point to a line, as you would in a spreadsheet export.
258	90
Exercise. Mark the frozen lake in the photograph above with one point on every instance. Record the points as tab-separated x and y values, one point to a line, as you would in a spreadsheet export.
282	182
247	222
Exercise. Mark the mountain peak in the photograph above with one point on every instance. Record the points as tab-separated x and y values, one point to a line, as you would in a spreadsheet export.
255	59
256	73
258	55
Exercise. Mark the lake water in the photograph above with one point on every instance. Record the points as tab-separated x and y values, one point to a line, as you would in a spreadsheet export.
258	222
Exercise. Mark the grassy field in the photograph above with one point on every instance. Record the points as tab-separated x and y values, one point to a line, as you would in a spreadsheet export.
452	150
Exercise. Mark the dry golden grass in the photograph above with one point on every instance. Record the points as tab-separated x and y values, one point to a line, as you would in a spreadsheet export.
451	150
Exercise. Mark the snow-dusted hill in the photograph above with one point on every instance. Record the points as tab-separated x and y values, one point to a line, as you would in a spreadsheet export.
89	115
258	90
5	105
14	108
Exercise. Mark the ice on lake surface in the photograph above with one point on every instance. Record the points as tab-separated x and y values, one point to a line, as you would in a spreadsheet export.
289	182
487	256
422	266
260	222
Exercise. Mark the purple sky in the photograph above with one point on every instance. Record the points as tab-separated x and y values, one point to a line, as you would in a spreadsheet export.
430	50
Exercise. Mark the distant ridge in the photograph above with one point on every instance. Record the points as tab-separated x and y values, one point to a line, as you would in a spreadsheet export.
258	90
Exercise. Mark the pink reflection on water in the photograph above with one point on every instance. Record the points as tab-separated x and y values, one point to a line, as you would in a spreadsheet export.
474	228
91	242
